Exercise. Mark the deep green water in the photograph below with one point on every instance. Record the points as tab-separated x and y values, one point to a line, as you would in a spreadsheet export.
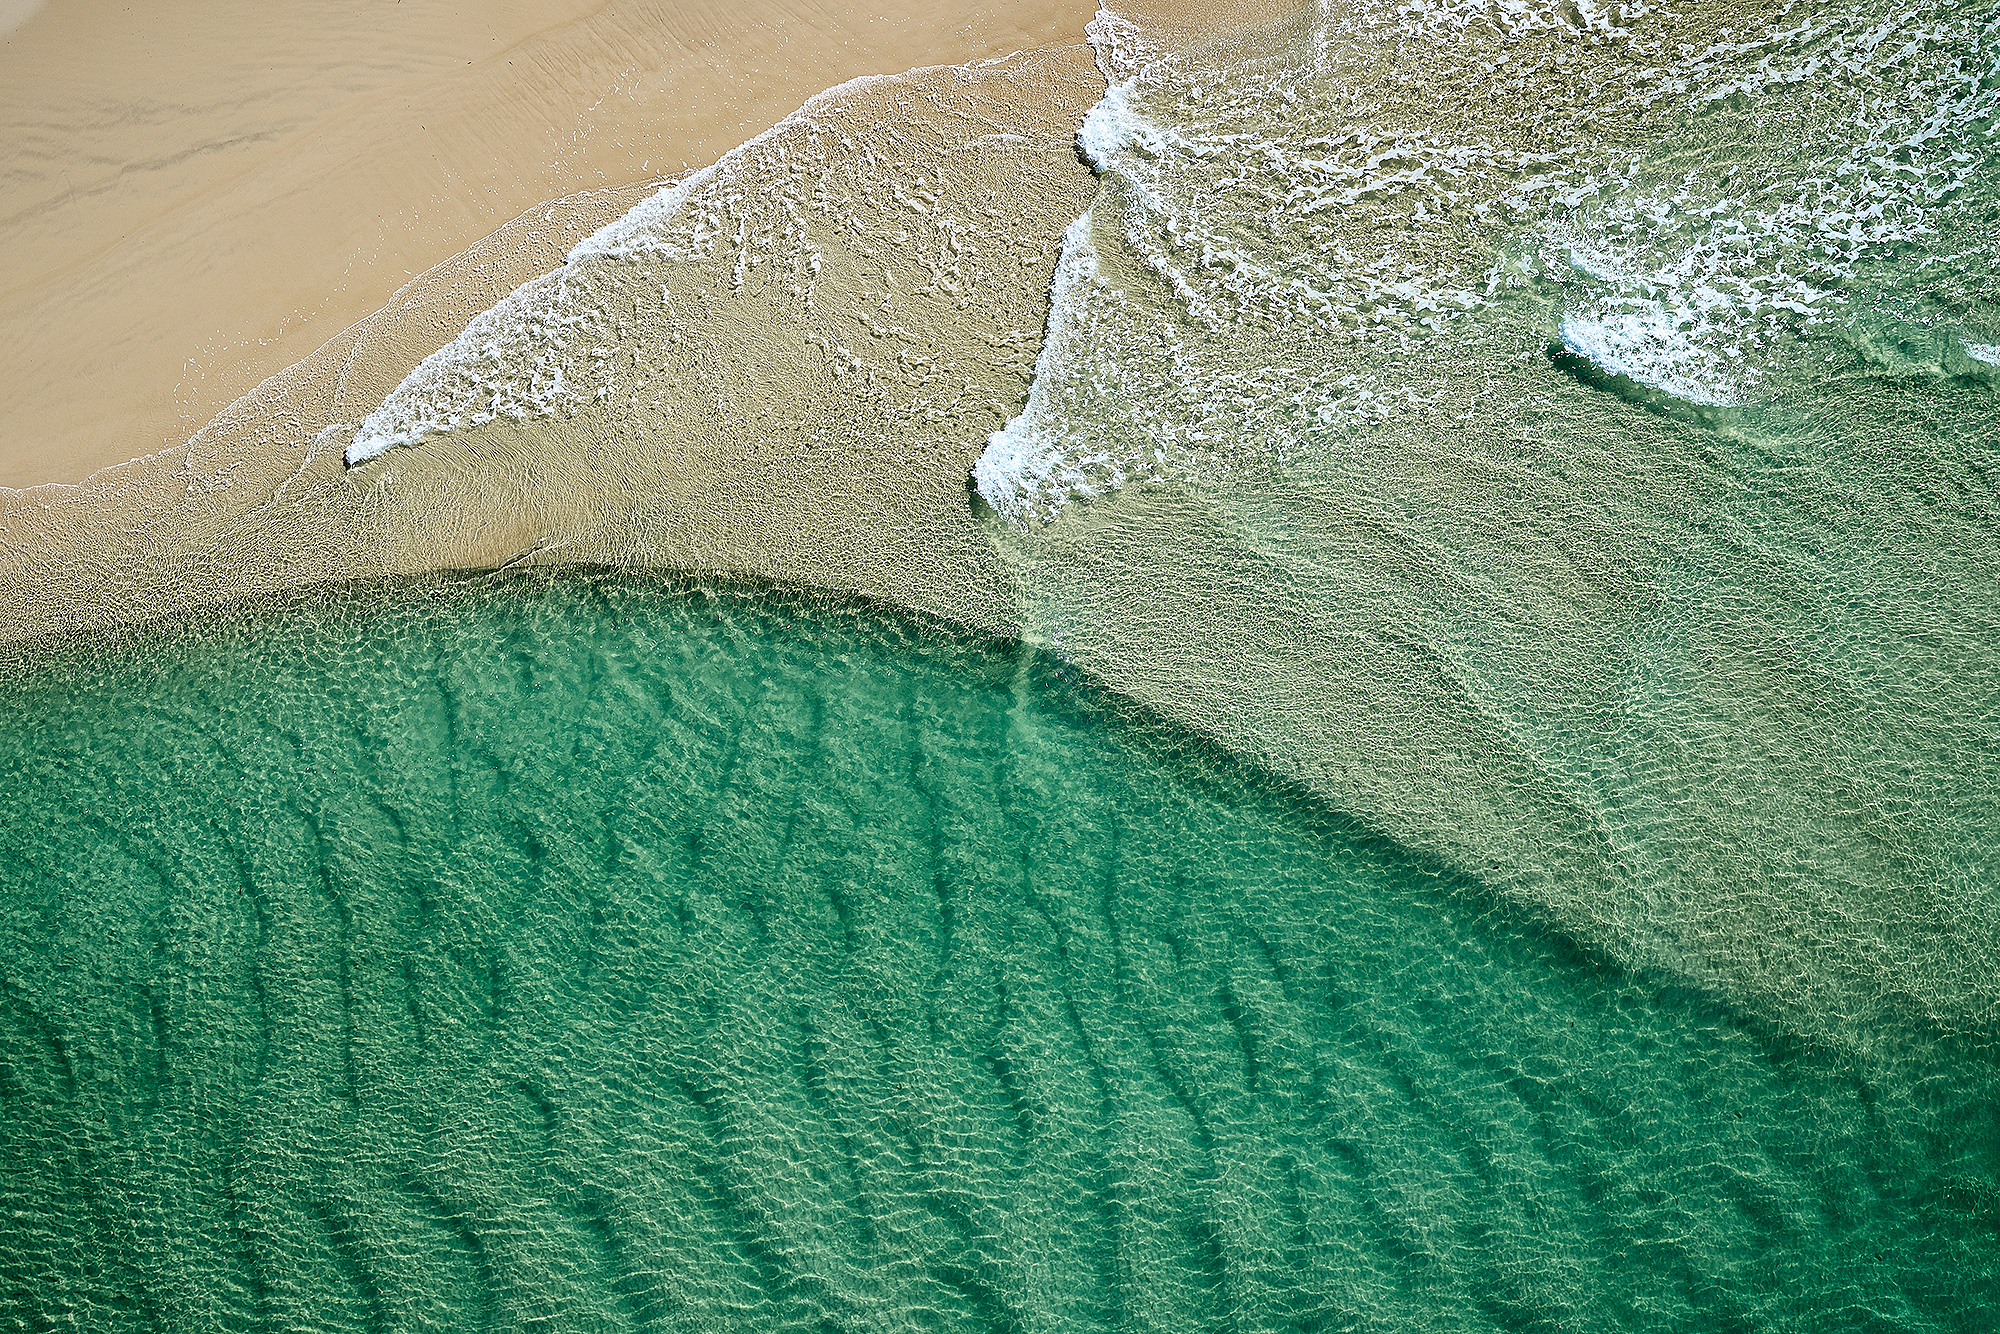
594	953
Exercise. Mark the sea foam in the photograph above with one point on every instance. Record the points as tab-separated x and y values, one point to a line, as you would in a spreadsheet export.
539	351
1651	346
1025	463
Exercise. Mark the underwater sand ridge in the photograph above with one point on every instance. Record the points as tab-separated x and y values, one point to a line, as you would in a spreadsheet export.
811	352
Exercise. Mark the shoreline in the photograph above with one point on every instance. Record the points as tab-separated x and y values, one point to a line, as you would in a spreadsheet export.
196	206
258	500
248	504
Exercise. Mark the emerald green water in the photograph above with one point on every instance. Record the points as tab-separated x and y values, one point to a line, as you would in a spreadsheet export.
593	953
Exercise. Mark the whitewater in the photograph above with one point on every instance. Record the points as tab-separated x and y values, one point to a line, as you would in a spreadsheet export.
1528	427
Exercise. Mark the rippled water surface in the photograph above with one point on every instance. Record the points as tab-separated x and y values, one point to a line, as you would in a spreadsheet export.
1560	436
1478	810
598	953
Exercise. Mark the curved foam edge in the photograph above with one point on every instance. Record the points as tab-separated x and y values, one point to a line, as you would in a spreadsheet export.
1648	345
259	499
1022	463
1023	472
508	352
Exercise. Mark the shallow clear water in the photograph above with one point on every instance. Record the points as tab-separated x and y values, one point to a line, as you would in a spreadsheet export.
604	953
1481	811
1559	435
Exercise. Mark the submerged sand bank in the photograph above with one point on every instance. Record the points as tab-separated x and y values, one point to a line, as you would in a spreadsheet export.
790	378
193	198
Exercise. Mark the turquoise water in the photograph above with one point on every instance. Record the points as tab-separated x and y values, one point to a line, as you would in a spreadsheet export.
1482	814
603	953
1557	434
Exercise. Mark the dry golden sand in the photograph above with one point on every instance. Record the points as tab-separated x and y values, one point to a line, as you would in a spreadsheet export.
195	196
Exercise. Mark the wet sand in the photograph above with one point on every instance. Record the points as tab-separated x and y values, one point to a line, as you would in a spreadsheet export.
787	434
195	197
791	436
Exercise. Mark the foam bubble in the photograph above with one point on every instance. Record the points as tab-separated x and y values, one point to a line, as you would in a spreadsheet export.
1651	345
643	230
554	345
507	363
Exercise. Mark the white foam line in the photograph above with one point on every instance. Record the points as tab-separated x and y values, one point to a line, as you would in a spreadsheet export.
492	333
1021	463
1649	346
617	239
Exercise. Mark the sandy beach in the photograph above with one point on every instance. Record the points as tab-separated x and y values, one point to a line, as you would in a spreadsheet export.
793	436
195	198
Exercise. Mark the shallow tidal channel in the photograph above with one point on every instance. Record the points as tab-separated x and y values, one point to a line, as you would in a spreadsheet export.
605	952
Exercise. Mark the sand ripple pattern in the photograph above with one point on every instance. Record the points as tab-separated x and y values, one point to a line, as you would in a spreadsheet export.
597	954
